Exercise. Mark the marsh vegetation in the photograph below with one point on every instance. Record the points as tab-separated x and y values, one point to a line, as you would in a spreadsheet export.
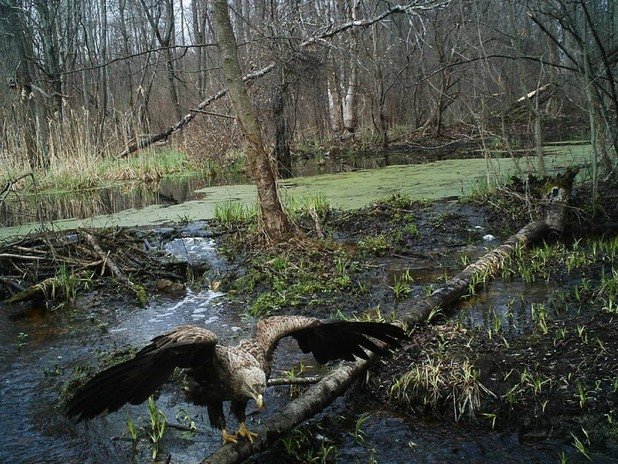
360	155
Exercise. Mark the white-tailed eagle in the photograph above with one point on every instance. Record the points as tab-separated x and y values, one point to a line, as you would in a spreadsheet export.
220	373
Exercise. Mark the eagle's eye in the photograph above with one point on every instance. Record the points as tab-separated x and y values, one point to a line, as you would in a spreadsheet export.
258	387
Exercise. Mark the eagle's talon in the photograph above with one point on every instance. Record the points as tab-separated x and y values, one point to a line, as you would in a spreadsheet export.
227	438
243	431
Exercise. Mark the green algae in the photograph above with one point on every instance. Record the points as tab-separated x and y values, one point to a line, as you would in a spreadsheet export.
429	181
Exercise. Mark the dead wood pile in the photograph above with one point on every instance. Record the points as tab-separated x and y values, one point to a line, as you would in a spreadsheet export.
45	266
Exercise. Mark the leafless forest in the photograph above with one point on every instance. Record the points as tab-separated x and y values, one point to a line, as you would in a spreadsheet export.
105	77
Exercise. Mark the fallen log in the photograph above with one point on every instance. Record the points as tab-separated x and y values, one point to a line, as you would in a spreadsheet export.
11	284
138	145
9	185
293	381
47	290
486	267
106	258
333	385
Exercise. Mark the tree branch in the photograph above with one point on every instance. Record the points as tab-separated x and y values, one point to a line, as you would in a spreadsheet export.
410	7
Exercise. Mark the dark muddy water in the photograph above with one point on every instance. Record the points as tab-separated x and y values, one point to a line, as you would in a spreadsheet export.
22	209
40	348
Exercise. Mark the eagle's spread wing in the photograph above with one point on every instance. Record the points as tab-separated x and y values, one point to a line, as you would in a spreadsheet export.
133	381
327	340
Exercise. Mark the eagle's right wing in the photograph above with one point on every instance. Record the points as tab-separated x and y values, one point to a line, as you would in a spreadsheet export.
133	381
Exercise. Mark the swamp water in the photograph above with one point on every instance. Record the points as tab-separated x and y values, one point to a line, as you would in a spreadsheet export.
41	348
186	199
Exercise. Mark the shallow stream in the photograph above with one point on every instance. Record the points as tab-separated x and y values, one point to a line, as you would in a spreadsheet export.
40	349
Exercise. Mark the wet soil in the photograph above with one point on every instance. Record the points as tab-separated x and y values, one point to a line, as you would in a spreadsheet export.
549	387
566	372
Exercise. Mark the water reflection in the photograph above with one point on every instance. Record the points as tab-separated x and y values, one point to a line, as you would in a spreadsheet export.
21	209
18	209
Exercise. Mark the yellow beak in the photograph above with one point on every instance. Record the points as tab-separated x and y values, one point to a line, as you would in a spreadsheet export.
259	400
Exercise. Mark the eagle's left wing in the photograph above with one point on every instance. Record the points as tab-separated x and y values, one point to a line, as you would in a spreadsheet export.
327	340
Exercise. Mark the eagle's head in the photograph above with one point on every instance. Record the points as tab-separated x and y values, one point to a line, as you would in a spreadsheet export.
253	384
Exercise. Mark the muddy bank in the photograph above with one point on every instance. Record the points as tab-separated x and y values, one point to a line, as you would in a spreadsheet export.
526	368
530	329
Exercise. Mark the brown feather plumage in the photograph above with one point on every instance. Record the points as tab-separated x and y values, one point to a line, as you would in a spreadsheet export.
218	373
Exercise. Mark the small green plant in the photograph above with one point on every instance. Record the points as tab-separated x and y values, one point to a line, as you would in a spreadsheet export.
132	430
435	311
492	417
183	219
582	395
580	447
292	374
512	395
561	333
406	276
297	445
609	306
265	304
183	416
478	279
158	425
401	289
582	333
374	246
412	230
234	212
21	339
359	435
533	382
436	382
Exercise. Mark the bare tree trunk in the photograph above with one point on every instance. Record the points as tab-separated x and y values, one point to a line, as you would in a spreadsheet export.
350	102
199	24
283	156
169	61
334	100
104	83
275	222
165	41
532	105
49	35
33	112
124	31
380	92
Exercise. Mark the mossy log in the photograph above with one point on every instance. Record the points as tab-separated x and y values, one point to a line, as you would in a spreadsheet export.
333	385
47	289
